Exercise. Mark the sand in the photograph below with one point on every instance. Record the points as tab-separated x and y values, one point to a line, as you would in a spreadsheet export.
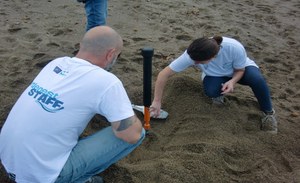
198	142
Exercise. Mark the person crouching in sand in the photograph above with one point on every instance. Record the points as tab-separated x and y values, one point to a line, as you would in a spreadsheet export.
224	62
40	140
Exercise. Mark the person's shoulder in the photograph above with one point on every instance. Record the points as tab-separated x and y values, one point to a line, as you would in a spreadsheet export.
100	79
61	59
229	40
105	75
185	57
231	43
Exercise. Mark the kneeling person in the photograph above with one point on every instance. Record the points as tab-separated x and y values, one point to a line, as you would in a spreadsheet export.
40	142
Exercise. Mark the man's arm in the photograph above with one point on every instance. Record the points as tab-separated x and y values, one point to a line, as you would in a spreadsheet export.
129	129
160	84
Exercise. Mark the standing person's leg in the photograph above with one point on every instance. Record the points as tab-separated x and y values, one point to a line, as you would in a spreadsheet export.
94	154
253	78
96	13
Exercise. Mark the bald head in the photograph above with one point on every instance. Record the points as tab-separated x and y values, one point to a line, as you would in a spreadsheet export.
100	39
100	46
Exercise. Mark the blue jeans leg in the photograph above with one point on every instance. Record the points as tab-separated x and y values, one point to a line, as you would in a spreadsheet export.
252	77
94	154
213	85
96	13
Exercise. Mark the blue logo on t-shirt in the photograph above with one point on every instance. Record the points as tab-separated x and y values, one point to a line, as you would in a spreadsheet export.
47	99
59	71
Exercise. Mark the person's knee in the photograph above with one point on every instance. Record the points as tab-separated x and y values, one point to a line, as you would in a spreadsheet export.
212	86
259	79
212	92
256	80
139	138
143	134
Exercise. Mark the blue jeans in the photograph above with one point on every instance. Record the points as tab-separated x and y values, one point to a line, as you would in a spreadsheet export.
94	154
96	13
252	77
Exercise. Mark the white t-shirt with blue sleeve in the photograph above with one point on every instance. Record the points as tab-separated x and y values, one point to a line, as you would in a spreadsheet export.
232	55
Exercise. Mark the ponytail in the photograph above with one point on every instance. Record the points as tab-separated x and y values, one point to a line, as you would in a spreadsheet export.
218	39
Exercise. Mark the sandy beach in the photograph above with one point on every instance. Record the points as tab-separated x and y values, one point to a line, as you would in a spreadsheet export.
198	142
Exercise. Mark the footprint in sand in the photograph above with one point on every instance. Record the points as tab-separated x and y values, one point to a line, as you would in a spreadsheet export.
198	148
18	82
290	91
52	45
10	39
14	28
184	37
58	32
253	117
38	55
33	36
138	39
42	59
163	39
270	60
265	8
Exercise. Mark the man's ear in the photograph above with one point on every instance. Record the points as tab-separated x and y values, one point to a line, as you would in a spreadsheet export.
110	54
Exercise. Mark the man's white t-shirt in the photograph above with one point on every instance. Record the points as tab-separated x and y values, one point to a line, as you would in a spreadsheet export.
232	55
46	121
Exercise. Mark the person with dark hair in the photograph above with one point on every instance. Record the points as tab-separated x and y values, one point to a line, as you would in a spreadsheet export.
224	62
96	12
41	142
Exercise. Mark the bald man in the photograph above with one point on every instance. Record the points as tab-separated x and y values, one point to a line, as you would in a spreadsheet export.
39	142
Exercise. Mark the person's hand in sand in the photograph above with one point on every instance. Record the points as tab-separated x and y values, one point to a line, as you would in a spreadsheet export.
223	62
228	86
155	109
40	140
